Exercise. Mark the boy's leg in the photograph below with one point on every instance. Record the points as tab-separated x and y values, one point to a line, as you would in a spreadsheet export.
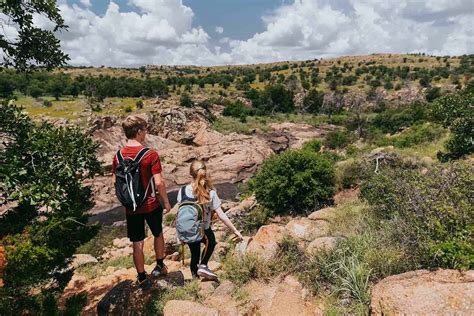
154	221
136	234
195	249
209	241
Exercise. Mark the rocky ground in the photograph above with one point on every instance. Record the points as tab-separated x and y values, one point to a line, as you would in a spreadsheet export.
181	135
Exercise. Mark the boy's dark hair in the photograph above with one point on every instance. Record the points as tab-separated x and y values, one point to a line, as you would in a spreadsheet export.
132	124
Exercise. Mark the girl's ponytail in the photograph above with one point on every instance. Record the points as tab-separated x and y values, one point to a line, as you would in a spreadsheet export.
201	182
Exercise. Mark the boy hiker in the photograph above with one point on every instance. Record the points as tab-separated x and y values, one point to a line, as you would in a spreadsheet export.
137	176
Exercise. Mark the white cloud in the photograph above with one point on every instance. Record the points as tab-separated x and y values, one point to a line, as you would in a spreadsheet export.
87	3
162	32
318	28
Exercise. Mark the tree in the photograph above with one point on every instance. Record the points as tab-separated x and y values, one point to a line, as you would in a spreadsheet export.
186	100
456	113
332	103
33	46
42	169
355	104
276	98
313	101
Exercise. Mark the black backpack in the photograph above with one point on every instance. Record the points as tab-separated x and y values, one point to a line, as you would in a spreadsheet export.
128	185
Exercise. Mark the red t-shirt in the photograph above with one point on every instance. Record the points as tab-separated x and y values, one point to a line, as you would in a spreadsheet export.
149	166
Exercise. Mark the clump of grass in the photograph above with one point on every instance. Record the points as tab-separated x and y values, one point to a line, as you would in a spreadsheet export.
169	218
106	234
353	278
98	269
188	292
242	269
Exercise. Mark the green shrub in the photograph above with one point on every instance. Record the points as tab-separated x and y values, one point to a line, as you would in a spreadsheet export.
456	112
47	103
186	100
237	109
417	134
338	139
139	104
432	94
127	108
294	182
313	145
394	119
348	174
432	212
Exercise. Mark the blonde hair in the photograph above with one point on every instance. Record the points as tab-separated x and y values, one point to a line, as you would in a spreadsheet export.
202	184
132	124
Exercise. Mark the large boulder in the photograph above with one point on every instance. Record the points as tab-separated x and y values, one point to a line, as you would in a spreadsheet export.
306	229
266	240
188	308
423	292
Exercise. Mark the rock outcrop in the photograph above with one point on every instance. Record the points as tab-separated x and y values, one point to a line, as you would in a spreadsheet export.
423	292
265	242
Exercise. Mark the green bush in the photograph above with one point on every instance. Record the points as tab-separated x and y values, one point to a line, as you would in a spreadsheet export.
186	100
394	119
417	134
348	174
127	108
432	212
188	292
139	104
338	139
456	112
294	182
47	103
313	145
42	167
237	109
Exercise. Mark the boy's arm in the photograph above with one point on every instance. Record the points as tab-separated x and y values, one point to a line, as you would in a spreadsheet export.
161	188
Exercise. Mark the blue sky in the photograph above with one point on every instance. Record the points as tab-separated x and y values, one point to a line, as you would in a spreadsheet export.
216	32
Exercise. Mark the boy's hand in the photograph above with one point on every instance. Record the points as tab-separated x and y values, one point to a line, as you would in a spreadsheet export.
167	208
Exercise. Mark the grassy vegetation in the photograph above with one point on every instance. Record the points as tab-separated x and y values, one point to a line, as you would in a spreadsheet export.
103	239
190	292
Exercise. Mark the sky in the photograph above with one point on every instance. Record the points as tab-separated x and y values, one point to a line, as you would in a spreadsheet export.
131	33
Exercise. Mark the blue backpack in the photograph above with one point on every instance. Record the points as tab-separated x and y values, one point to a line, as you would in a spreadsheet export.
189	219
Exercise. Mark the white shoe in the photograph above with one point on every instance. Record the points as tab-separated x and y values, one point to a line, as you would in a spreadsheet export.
205	272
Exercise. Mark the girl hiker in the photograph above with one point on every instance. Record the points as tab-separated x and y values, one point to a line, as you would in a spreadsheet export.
202	192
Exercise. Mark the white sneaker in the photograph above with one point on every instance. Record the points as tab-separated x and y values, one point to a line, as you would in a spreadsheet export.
205	272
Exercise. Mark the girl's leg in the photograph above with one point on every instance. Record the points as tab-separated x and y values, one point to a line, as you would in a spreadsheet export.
209	241
195	249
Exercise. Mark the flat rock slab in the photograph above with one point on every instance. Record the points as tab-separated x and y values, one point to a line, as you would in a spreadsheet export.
322	244
423	292
266	240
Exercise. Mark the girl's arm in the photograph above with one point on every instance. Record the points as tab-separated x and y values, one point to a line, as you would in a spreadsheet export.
223	217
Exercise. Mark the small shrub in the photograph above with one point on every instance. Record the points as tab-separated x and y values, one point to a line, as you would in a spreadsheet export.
348	174
237	109
294	182
139	104
186	100
394	119
242	269
313	145
338	139
127	108
432	212
432	94
414	135
47	103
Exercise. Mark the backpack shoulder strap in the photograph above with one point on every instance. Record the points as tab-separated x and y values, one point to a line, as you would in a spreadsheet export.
185	197
119	156
138	158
